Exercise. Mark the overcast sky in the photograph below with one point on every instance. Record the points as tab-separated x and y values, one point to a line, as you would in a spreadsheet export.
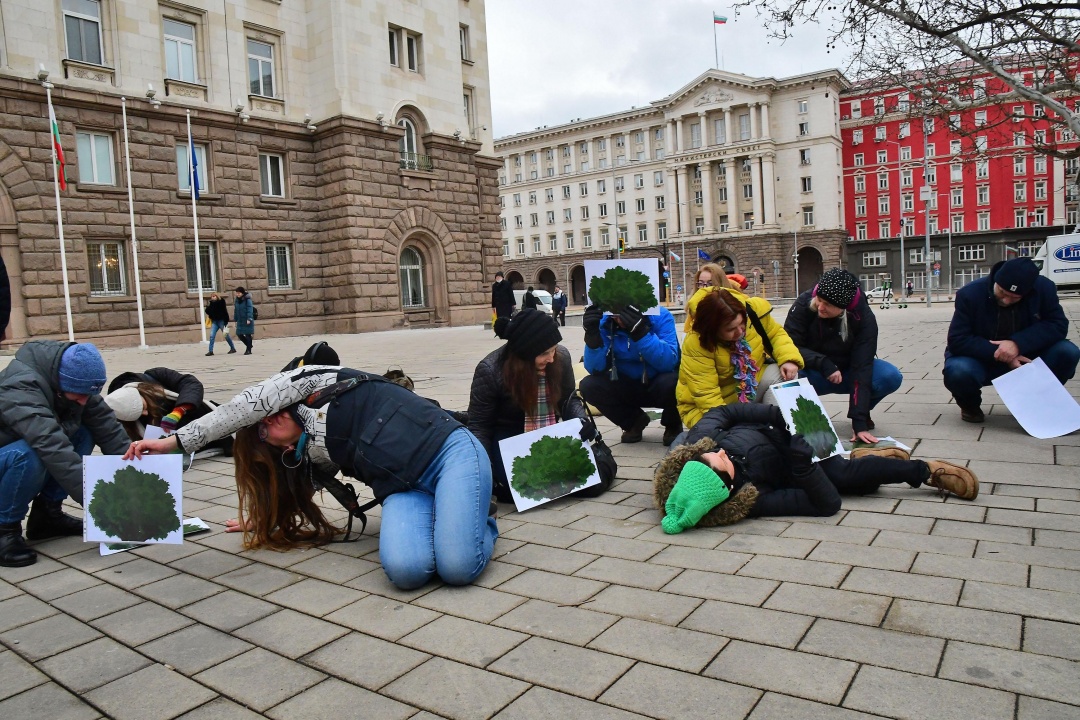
552	61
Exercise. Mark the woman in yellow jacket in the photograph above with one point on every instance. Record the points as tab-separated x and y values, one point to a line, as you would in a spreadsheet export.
723	356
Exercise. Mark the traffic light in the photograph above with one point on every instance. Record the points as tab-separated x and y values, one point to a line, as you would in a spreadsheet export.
622	244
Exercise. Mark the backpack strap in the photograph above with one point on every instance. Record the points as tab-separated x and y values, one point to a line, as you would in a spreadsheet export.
756	322
345	494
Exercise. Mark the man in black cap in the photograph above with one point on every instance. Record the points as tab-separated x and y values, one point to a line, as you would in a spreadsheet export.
1002	321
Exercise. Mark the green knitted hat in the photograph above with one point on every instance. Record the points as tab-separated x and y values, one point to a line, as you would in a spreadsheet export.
698	490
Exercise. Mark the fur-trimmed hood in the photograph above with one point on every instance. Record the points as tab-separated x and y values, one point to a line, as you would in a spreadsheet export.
731	511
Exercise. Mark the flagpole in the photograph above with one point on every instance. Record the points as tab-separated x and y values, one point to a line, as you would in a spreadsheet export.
716	52
134	241
59	217
195	219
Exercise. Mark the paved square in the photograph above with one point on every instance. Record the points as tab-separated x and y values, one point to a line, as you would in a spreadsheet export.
901	606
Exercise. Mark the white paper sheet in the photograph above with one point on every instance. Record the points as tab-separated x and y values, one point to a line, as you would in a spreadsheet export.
1041	404
520	446
121	500
822	435
647	266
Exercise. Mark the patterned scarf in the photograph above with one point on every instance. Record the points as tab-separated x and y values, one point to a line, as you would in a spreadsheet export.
745	371
544	414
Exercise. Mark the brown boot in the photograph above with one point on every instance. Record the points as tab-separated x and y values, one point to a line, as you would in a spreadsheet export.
949	477
633	433
887	452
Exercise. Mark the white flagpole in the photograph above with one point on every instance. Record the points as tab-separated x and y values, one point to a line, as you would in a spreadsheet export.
134	242
59	217
195	218
716	52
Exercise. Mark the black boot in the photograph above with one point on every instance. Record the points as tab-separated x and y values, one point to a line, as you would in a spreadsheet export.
48	519
13	549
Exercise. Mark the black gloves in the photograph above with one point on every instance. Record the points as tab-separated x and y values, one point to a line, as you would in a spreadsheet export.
588	430
776	417
634	323
800	452
590	323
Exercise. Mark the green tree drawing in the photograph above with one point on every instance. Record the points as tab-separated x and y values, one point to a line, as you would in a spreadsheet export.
135	507
813	425
619	287
553	467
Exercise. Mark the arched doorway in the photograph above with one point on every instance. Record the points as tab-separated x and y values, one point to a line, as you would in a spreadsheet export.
810	268
577	285
725	262
545	280
516	281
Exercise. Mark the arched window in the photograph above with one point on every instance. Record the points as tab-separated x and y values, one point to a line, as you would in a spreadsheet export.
411	270
407	144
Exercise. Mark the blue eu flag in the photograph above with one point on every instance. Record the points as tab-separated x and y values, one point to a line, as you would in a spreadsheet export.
703	255
194	172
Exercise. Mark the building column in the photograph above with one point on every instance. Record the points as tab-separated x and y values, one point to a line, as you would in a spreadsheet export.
755	181
707	192
753	121
765	132
768	174
684	198
703	122
732	194
672	144
729	135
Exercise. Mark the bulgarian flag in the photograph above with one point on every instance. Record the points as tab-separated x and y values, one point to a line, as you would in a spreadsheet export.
57	148
719	19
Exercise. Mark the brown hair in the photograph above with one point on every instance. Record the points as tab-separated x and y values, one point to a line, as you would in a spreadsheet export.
713	312
521	380
276	505
158	405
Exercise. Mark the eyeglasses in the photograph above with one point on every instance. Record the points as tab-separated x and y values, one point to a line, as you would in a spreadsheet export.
703	284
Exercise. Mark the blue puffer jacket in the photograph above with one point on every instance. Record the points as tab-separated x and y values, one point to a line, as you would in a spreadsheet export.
1040	318
656	353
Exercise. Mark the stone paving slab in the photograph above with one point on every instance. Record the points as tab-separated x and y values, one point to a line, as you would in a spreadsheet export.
901	606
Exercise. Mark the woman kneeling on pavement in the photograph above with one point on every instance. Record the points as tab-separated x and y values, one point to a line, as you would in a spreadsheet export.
526	384
740	461
431	475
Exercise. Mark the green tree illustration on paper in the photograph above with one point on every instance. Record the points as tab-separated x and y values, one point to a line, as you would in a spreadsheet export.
553	467
136	506
619	287
813	425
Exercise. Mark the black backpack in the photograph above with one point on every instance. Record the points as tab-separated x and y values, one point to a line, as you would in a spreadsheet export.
254	312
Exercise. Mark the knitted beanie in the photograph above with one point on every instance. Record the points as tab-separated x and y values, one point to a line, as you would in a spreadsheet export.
529	333
82	370
1017	275
126	403
698	490
840	288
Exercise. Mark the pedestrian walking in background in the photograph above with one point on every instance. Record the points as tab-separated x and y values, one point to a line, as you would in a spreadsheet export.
529	301
244	315
558	305
218	314
502	297
909	288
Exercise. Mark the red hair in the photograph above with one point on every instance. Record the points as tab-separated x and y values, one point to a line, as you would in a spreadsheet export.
714	312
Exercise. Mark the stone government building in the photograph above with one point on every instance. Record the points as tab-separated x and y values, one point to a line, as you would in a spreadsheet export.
343	153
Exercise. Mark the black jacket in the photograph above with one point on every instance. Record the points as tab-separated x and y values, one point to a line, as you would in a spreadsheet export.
187	388
217	311
5	299
824	350
502	297
757	441
529	301
493	416
32	409
1039	320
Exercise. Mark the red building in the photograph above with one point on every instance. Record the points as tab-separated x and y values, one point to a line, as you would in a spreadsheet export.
991	189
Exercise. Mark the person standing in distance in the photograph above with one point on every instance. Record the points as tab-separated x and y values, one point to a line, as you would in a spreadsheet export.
244	315
558	305
502	297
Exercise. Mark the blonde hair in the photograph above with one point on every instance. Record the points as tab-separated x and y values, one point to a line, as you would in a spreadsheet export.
719	277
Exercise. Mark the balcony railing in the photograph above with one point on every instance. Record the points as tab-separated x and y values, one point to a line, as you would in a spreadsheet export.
415	161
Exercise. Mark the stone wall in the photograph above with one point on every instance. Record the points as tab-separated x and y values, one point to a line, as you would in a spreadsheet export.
349	210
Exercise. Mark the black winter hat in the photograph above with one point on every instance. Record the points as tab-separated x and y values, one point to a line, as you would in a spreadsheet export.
840	288
529	333
1017	275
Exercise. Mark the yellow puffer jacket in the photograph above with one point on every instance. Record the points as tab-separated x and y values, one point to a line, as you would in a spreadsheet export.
707	379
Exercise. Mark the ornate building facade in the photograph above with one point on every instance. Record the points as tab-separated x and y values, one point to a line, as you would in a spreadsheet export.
745	170
348	185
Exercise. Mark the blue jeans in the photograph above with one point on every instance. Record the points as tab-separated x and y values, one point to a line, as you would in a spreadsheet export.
886	380
965	376
23	476
442	526
219	325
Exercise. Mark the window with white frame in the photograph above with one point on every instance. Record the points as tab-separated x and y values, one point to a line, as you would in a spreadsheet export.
801	106
1040	164
883	180
411	273
620	141
931	175
722	226
873	258
658	154
620	207
879	105
747	191
1018	139
954	122
1019	164
804	128
584	212
699	197
907	202
1020	191
905	178
1038	137
1028	248
639	205
933	225
584	166
909	227
956	172
517	199
642	233
658	178
1040	190
208	265
882	157
1038	217
856	137
520	247
583	189
661	231
860	231
858	160
536	244
180	57
532	197
958	223
903	132
97	165
722	193
586	239
260	59
549	194
982	169
567	215
928	125
807	215
272	175
601	210
720	130
1019	218
534	220
747	222
744	126
566	192
553	242
804	156
619	185
601	186
982	194
856	110
518	222
413	52
279	266
905	152
983	220
807	183
550	217
506	247
108	277
639	180
623	235
82	30
605	237
884	230
957	197
879	133
463	41
860	207
860	183
954	147
695	136
570	240
883	205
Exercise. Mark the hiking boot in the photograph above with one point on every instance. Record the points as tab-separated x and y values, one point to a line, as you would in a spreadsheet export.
633	433
13	549
971	414
886	452
948	477
48	519
670	433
